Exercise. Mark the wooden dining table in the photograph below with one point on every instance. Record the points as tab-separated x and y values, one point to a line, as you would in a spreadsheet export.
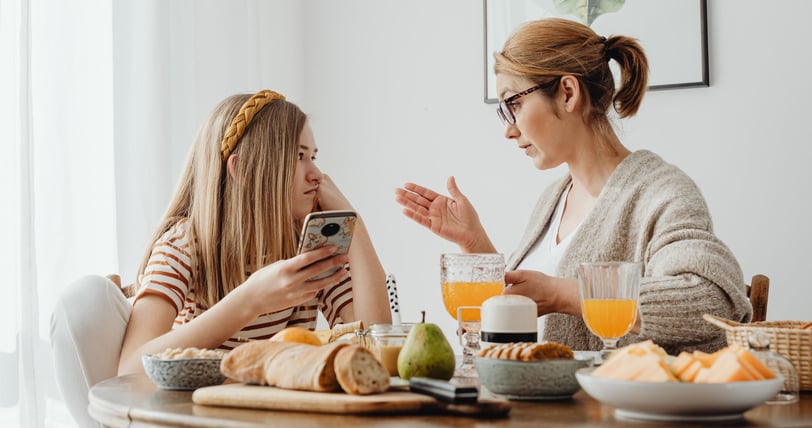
134	401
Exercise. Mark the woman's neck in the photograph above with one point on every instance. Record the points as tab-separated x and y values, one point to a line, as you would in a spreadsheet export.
594	164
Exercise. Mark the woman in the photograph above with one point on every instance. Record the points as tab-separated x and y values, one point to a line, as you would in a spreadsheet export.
222	265
556	87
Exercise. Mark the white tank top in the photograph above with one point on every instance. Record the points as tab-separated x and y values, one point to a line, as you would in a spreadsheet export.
546	254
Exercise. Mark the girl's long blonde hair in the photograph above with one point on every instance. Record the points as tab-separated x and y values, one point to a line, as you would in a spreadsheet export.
237	224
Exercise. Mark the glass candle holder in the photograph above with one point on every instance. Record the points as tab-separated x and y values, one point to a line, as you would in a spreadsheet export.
759	342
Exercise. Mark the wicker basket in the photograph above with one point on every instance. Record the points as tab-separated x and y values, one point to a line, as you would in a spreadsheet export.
786	338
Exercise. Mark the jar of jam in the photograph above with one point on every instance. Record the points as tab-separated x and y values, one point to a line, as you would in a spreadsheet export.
385	342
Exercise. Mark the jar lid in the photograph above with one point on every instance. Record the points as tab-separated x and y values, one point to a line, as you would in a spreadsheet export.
509	314
386	329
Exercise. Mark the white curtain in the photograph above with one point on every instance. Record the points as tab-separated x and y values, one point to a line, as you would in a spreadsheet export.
99	102
58	210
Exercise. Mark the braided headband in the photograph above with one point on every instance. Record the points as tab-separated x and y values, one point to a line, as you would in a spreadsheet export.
243	119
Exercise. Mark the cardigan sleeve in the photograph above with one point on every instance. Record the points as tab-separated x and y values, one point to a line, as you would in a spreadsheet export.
688	272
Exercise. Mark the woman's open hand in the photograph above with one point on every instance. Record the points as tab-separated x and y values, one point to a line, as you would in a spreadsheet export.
452	218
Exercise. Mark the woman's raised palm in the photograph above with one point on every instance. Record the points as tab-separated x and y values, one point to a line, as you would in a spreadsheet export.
452	218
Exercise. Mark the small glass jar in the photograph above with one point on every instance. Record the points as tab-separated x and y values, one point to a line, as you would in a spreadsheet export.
385	342
759	342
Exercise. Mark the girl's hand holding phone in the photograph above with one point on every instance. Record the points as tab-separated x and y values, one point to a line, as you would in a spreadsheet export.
287	283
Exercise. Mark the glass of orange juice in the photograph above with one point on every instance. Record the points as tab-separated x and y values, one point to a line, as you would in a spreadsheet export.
467	280
609	293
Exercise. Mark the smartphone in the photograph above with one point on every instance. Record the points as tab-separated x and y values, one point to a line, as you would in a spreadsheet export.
327	228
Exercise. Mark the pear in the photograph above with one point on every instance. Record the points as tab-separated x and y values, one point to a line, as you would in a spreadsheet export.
426	353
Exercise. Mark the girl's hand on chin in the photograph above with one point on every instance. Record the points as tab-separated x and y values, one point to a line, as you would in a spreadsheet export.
329	196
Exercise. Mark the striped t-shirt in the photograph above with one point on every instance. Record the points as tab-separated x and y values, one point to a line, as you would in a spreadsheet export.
167	276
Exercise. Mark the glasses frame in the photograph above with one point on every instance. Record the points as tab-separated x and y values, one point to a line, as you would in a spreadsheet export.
505	112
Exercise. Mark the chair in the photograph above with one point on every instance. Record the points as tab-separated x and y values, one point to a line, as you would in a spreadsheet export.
128	290
88	323
758	292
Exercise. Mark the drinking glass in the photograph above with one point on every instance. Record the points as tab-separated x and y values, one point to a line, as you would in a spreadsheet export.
759	341
469	280
470	323
609	293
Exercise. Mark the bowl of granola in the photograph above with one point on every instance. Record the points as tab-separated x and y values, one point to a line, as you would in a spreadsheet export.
184	368
530	371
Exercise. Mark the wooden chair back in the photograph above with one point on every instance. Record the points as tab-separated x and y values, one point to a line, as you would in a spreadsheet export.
758	291
128	290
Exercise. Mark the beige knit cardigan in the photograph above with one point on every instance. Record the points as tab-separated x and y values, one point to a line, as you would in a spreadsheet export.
651	212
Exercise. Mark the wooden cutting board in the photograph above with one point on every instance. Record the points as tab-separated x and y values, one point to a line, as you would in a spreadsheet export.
270	398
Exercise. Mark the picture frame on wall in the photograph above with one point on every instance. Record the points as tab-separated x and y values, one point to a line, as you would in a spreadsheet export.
673	33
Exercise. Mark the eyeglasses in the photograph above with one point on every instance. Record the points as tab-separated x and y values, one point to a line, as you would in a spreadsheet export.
505	111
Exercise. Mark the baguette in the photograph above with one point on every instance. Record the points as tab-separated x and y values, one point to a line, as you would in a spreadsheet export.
246	363
359	372
304	367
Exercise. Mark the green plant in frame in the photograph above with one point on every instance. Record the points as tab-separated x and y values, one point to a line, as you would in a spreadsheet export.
587	10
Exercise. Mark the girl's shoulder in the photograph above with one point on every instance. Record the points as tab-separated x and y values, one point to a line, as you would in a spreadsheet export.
176	237
176	231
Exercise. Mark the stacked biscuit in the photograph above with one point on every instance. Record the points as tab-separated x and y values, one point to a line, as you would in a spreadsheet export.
528	351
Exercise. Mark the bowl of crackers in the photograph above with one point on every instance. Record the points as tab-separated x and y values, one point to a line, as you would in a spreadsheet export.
184	368
529	370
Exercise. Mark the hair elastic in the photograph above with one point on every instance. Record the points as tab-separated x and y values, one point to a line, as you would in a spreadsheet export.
243	119
605	49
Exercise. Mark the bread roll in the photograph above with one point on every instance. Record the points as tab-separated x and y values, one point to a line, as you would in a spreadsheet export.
304	367
341	330
359	372
246	363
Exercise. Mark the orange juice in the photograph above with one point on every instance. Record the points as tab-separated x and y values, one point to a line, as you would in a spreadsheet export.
456	294
609	318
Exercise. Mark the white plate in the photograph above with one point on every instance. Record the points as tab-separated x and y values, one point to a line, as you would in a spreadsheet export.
669	401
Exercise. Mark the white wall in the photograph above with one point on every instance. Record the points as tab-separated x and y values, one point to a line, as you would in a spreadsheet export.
395	94
394	90
174	61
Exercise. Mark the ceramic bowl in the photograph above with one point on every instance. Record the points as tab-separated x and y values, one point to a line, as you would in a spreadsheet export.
183	373
531	380
683	401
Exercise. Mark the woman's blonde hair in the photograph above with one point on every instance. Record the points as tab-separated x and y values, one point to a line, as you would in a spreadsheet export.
547	49
237	224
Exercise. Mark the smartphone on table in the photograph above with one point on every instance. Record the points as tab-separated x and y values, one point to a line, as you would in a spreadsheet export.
324	228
